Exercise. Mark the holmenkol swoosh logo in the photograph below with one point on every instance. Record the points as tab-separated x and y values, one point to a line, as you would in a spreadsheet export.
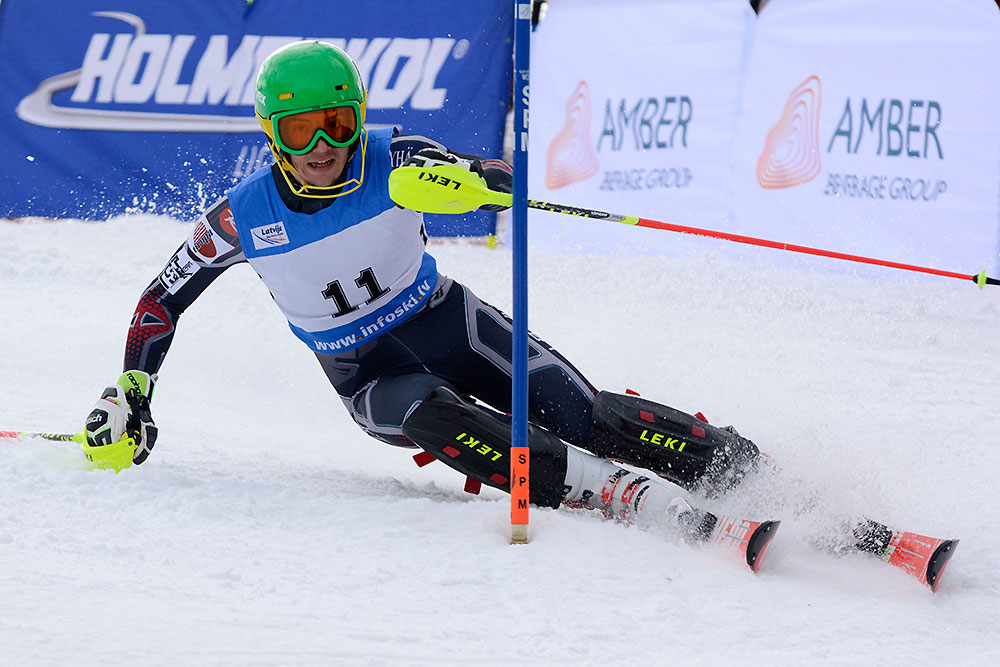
38	109
143	68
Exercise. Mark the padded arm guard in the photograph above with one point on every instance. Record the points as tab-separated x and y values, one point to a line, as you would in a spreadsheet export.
675	445
476	441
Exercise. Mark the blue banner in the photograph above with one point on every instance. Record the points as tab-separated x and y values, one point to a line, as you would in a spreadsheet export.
139	106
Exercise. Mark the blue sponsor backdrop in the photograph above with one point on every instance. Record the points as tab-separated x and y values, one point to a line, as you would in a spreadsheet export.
122	106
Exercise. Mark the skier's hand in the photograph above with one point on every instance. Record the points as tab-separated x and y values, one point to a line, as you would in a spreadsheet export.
495	179
432	157
120	429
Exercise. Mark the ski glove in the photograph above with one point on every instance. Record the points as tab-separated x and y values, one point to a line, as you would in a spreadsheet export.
120	429
497	178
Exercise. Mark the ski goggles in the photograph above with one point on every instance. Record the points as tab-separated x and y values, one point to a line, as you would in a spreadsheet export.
297	132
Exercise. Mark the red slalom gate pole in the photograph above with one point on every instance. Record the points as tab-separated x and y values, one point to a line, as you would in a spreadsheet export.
981	279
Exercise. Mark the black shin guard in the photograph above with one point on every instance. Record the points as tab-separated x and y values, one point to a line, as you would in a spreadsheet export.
673	444
476	442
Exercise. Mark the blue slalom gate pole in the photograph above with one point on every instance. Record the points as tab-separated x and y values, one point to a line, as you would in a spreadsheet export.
519	454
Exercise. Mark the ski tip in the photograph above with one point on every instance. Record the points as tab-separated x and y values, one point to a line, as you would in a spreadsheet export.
759	541
938	562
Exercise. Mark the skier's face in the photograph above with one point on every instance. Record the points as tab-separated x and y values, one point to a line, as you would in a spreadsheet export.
323	165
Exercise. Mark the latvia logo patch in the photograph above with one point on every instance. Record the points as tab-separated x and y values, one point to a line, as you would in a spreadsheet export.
269	236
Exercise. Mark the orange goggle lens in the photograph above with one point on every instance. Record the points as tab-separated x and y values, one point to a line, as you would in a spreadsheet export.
297	133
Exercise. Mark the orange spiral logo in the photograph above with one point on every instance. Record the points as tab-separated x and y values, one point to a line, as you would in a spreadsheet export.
791	150
571	155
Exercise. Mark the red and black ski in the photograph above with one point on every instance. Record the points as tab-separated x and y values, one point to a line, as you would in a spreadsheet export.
920	556
749	539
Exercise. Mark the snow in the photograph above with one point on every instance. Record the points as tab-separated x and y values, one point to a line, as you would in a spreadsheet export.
267	529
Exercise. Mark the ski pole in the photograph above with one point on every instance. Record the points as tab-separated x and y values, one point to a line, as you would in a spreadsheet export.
981	279
452	188
58	437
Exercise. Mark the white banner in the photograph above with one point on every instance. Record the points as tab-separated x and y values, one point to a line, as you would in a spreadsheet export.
633	110
871	127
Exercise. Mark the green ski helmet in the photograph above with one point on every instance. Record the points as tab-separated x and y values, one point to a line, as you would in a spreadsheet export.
311	76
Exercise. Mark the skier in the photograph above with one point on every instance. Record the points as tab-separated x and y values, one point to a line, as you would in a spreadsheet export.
417	358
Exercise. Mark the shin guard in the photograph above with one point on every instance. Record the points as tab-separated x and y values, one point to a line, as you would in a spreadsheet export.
670	443
476	441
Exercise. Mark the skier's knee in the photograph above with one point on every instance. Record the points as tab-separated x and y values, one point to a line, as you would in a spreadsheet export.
671	443
381	406
476	441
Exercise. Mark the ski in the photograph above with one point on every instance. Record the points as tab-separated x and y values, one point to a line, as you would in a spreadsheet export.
748	539
920	556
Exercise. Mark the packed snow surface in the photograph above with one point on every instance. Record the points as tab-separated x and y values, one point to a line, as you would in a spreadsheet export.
266	528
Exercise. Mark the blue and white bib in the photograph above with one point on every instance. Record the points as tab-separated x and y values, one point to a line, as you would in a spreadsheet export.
347	273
